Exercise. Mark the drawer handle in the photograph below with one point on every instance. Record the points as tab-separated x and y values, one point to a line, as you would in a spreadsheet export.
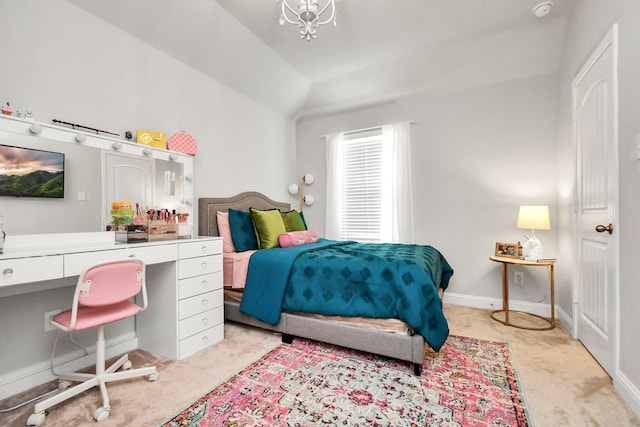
205	320
7	272
205	338
132	256
204	265
204	283
204	249
205	301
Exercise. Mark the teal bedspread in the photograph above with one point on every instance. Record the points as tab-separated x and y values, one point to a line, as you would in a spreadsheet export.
333	278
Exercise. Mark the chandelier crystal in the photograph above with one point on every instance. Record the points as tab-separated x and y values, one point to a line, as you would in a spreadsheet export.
308	16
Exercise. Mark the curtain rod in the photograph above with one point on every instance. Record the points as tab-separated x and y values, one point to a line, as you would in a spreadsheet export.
412	122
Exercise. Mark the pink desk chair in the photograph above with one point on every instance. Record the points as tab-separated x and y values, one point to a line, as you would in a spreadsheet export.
102	296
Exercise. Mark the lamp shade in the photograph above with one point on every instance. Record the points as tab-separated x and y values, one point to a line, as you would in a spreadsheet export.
534	218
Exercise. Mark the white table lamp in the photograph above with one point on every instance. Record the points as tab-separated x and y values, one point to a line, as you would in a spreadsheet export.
535	218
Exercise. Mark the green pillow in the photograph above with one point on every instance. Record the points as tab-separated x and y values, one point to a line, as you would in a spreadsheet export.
269	226
242	233
293	221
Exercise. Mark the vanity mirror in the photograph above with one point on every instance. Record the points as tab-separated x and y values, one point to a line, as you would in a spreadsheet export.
98	170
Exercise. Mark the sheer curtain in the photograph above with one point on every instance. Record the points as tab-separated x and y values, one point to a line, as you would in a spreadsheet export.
398	219
333	217
401	221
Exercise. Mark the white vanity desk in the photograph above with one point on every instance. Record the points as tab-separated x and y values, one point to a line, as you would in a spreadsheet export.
184	286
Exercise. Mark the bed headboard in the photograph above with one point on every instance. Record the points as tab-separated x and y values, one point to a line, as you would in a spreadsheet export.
209	206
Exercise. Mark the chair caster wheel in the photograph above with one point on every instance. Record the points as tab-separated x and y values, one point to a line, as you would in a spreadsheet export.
63	385
36	419
153	377
101	414
127	365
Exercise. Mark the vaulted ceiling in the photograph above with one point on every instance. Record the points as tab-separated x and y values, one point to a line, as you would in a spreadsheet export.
380	49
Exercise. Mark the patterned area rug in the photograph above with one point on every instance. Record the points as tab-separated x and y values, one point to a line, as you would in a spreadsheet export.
468	383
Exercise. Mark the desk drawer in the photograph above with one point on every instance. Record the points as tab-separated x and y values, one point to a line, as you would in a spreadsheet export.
198	323
74	264
204	339
197	304
199	284
198	266
33	269
201	248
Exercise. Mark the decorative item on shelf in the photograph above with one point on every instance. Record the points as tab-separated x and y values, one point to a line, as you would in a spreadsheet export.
77	126
535	218
306	179
128	135
508	250
182	142
6	109
307	16
152	139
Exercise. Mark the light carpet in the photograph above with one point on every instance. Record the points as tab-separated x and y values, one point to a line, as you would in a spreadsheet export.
564	385
469	382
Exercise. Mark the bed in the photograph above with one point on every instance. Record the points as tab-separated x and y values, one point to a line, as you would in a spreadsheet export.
386	337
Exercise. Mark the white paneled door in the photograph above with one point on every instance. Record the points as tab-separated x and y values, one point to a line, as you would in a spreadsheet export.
595	95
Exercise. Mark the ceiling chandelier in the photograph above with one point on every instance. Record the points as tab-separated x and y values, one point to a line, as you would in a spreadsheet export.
307	16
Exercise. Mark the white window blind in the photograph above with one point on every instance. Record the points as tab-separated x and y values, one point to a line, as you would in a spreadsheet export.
363	159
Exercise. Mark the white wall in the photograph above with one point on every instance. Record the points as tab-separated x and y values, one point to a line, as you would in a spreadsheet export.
478	154
587	26
61	62
474	150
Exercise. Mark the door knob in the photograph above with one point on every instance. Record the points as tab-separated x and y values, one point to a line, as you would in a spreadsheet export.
602	228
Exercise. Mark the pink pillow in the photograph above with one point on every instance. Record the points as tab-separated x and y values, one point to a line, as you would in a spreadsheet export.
297	238
224	230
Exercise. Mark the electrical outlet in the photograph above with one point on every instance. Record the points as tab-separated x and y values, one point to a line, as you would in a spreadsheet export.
518	278
47	317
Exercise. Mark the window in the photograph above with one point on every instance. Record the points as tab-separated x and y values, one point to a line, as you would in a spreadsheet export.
369	185
361	159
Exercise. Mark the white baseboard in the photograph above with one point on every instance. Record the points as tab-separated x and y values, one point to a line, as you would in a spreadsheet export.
496	304
565	320
28	377
628	391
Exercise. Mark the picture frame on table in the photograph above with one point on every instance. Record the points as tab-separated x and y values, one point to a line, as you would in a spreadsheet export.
508	250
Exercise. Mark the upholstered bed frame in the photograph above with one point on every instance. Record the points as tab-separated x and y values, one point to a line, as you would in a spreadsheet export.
410	348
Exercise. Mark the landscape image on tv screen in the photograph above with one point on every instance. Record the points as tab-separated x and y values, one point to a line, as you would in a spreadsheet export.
27	172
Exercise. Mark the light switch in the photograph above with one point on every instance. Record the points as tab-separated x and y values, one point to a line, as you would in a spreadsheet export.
81	195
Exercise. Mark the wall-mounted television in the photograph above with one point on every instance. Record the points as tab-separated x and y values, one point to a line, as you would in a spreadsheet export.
27	172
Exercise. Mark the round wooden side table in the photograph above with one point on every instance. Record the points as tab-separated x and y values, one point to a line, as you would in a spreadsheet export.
505	261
